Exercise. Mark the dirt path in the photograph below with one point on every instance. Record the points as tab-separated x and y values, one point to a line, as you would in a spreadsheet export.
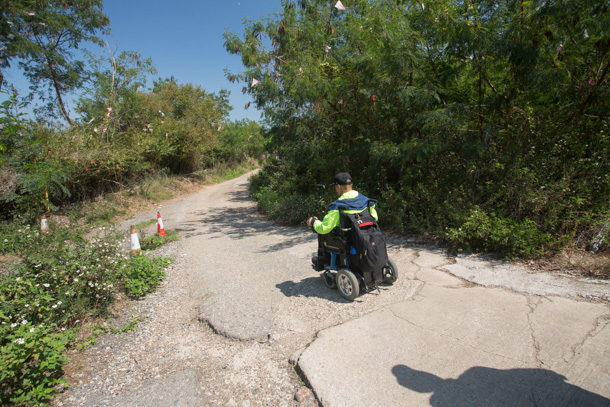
235	307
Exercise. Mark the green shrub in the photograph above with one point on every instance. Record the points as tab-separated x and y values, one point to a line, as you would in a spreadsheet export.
143	274
31	361
61	278
479	231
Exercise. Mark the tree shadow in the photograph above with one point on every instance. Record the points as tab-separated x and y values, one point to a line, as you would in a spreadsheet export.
242	195
487	387
243	222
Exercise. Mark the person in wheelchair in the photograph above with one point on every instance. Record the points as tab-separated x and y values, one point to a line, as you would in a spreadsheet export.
350	201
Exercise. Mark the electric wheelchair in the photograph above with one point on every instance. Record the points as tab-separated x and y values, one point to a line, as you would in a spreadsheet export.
338	272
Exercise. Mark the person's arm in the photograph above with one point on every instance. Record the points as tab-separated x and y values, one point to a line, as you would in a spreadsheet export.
330	221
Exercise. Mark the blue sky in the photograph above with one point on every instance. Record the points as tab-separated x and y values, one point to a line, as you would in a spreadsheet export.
184	38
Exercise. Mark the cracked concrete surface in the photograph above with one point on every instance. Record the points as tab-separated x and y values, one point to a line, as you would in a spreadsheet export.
523	340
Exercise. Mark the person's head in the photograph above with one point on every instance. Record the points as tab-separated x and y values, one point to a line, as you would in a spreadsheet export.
343	183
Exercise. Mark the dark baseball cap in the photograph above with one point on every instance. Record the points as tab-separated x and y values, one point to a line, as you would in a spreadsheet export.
342	178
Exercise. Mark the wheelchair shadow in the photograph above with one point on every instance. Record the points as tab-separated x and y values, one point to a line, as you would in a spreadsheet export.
485	387
312	287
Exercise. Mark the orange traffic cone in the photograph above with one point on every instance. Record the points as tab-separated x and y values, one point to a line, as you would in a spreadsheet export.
135	242
160	229
44	225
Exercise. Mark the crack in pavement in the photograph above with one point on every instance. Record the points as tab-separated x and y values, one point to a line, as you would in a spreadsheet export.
532	304
600	324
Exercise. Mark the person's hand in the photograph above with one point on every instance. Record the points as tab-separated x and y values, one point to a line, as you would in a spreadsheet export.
311	220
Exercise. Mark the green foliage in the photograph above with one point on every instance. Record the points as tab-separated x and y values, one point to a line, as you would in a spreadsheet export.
110	101
143	274
155	241
31	357
280	201
185	121
42	37
240	141
140	140
62	276
510	239
61	279
157	187
438	109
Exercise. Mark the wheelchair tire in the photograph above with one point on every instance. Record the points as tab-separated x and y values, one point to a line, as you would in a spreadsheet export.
329	279
347	284
390	272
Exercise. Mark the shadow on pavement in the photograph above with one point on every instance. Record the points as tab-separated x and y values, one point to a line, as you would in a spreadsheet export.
240	196
310	287
316	288
487	387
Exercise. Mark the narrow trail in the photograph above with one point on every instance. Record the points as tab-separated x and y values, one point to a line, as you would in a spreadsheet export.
241	305
238	302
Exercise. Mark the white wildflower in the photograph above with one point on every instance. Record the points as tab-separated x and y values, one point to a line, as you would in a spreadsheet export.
19	341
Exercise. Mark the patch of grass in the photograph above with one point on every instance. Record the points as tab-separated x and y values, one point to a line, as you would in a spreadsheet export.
159	187
146	223
102	211
155	241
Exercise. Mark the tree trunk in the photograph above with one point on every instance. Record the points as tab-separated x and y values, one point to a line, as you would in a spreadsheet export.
64	112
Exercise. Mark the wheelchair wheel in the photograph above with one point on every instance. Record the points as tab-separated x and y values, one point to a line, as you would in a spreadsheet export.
329	279
348	285
390	272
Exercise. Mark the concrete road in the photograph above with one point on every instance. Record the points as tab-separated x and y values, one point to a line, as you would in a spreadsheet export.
449	332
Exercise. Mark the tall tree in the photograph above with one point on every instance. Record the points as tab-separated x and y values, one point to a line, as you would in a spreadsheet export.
109	100
43	38
462	110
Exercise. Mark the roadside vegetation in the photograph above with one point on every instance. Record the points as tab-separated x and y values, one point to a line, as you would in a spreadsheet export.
484	124
128	148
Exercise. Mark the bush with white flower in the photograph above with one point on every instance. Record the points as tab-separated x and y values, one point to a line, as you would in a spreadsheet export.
62	278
